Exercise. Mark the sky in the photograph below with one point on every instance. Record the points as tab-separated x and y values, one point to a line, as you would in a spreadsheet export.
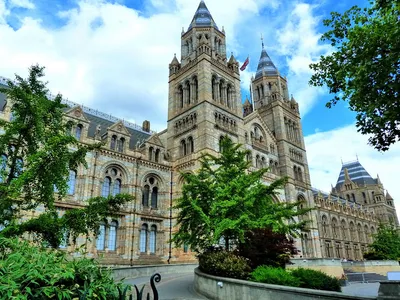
113	56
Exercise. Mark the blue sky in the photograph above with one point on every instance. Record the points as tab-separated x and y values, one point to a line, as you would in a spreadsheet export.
114	56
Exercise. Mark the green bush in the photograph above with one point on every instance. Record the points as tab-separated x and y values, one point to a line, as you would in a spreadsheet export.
317	280
224	264
30	272
270	275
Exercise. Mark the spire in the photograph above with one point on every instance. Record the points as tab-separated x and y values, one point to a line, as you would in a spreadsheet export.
388	197
202	17
265	65
175	61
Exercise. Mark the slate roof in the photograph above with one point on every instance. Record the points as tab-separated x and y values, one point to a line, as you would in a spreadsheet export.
202	17
357	174
265	65
97	118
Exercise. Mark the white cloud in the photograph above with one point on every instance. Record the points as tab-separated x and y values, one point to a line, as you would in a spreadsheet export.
299	42
22	4
325	150
114	58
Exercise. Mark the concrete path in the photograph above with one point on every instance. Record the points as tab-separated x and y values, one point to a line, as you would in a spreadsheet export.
172	286
362	289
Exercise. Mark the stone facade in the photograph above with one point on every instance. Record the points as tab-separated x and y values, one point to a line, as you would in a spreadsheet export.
204	104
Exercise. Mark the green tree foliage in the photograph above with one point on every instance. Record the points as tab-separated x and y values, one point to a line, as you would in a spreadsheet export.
37	155
266	247
223	200
364	69
30	272
386	244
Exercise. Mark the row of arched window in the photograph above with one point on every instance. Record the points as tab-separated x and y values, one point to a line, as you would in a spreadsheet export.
186	146
188	92
222	91
298	173
352	232
117	144
154	154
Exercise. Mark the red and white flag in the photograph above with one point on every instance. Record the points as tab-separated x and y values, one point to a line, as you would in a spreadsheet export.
246	62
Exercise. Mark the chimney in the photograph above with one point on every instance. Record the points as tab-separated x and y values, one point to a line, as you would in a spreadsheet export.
146	126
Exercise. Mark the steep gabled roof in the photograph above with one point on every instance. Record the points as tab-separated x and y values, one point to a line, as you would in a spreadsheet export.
357	174
202	17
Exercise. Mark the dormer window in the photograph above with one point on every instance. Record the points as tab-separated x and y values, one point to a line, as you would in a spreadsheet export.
78	132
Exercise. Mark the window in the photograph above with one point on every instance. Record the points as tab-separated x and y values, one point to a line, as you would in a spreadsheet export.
105	192
78	132
325	226
334	227
143	239
190	145
145	195
121	144
343	228
183	148
117	187
71	182
153	238
64	241
113	142
185	248
151	151
154	197
101	238
112	236
353	197
364	197
112	184
157	158
19	165
151	187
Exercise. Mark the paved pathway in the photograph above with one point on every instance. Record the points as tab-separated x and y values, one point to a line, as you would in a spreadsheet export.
172	286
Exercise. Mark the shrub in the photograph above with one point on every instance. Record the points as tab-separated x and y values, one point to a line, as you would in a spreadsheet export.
266	247
277	276
225	264
30	272
317	280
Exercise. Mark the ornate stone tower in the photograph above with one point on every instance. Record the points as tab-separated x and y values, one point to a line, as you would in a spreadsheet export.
204	92
282	116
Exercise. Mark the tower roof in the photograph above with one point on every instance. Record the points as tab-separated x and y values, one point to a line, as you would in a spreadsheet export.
357	174
388	197
202	17
265	65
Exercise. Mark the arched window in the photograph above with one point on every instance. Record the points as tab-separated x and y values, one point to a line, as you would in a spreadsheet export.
101	238
359	230
348	197
183	149
263	162
78	132
153	239
180	95
185	248
366	233
71	182
143	239
343	229
112	236
295	173
105	191
364	197
117	187
228	96
190	145
151	151
157	156
154	197
325	226
188	94
300	174
113	142
221	88
121	145
334	228
196	87
353	232
213	88
145	195
353	197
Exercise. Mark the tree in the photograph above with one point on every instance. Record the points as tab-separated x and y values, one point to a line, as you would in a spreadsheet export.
223	201
364	69
266	247
386	244
37	154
